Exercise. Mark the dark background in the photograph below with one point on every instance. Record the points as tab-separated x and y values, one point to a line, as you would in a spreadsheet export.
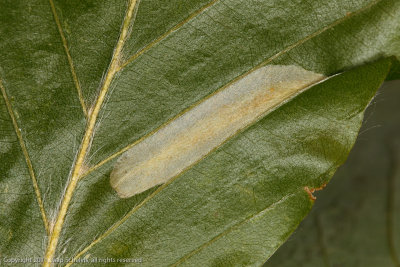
356	219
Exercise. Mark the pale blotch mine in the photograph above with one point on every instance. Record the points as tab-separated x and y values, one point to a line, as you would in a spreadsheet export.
190	137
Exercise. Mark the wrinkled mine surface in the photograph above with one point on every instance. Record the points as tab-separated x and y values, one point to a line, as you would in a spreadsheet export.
194	134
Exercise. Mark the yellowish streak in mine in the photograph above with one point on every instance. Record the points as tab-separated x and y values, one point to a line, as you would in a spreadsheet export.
190	137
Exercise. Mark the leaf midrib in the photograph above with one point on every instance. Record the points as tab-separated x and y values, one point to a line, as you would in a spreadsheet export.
88	137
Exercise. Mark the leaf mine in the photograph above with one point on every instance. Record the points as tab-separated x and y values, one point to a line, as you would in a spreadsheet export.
190	137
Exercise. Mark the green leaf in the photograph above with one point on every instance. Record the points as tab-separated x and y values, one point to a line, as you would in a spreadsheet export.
82	81
355	221
394	71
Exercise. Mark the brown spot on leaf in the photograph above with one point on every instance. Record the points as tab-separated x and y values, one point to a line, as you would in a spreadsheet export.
310	191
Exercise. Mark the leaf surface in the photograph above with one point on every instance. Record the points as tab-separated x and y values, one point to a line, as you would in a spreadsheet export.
151	61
